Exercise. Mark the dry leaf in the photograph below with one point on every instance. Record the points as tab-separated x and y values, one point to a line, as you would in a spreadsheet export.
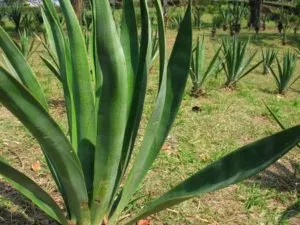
36	166
144	222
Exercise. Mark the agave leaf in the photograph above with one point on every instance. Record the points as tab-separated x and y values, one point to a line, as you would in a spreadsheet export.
277	119
167	104
139	92
16	98
65	67
50	41
213	66
130	44
233	168
51	67
7	65
21	67
32	191
113	110
84	95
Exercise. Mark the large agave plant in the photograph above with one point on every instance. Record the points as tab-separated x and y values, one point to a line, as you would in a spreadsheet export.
285	75
199	71
104	95
268	56
236	65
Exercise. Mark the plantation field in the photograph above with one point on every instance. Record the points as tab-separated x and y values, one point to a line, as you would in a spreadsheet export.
206	128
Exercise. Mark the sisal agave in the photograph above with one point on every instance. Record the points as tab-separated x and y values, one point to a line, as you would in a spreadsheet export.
104	91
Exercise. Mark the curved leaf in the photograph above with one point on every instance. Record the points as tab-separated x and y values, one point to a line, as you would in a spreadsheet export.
32	191
167	104
84	93
21	67
17	99
235	167
113	109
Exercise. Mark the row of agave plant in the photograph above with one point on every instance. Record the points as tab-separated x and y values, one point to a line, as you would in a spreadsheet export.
104	82
231	57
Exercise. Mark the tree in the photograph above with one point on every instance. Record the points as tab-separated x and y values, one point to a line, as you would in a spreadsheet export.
255	8
78	7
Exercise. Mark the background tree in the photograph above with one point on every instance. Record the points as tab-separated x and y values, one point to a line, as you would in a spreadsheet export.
255	9
78	7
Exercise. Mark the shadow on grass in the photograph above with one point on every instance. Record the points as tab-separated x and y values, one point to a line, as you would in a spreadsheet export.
24	214
291	212
282	177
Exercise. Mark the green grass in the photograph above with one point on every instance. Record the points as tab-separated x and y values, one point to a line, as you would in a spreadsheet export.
227	119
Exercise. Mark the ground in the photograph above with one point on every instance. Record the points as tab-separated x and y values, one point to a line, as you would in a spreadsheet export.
225	119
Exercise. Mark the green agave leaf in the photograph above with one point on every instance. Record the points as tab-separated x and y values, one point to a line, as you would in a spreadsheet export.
7	65
32	191
130	44
167	104
139	91
51	67
275	117
49	35
84	94
235	167
136	110
113	109
65	67
21	67
17	99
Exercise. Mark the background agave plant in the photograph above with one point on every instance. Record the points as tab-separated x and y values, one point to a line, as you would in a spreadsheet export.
104	92
235	64
27	45
285	75
268	56
15	14
199	72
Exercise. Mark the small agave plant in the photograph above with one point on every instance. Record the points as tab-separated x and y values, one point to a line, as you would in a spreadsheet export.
285	75
200	71
104	93
269	56
235	64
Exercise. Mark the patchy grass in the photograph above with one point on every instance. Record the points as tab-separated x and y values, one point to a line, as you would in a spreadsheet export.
225	120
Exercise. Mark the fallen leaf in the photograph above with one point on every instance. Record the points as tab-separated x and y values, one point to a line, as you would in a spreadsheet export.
36	166
144	222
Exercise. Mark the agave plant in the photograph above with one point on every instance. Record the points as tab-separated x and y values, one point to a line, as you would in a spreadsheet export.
28	22
104	95
175	21
199	72
284	77
236	13
197	14
225	15
15	14
268	56
235	64
27	45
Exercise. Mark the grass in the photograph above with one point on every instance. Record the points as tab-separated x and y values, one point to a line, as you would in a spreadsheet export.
226	120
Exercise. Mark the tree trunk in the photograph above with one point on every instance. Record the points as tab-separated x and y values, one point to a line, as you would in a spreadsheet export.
78	7
255	8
